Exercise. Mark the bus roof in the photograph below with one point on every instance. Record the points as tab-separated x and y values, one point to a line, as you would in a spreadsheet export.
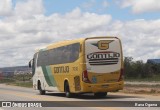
67	42
61	43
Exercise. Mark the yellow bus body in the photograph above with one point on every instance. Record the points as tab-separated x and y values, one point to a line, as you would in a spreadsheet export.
52	77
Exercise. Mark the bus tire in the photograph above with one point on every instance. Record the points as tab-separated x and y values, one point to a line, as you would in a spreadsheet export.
41	92
100	94
67	90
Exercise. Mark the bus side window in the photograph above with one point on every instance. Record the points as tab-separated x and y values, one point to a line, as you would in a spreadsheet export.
75	51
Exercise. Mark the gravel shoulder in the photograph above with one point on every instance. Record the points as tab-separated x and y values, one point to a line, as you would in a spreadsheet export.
150	88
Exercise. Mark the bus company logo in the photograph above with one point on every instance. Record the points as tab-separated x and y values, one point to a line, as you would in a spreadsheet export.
6	104
102	44
103	58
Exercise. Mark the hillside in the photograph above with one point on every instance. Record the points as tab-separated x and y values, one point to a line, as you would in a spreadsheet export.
16	68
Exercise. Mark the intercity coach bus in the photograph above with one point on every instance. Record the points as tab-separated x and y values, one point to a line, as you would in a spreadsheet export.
86	65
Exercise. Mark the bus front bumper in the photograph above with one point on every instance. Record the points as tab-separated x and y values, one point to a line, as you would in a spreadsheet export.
102	87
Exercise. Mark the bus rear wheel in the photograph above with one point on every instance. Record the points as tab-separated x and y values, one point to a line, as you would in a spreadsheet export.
100	94
67	90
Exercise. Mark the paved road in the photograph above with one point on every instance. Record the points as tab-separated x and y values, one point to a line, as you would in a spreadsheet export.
14	93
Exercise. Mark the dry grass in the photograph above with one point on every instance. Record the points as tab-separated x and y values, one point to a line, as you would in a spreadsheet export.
140	89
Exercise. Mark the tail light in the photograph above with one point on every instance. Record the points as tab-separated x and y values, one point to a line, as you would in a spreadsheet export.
121	77
85	77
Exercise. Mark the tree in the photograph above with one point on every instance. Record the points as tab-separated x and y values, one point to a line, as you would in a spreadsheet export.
139	69
128	70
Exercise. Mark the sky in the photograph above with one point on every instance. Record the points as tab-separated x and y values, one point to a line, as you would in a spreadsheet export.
26	25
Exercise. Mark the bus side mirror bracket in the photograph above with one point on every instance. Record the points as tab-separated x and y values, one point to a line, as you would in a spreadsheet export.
30	63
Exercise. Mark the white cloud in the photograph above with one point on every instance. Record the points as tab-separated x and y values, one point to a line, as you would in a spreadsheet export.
105	4
141	6
126	3
5	7
89	5
140	38
29	8
21	34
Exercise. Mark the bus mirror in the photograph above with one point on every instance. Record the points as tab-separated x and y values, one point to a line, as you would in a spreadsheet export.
30	63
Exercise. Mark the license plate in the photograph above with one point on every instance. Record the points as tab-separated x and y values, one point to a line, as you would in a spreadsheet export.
105	86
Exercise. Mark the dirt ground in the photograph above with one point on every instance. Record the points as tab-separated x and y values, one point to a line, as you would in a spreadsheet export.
142	89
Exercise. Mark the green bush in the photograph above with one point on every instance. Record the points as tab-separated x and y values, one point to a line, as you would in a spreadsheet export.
139	70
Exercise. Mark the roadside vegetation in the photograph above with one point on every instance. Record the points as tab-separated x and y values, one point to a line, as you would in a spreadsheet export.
24	80
145	75
140	71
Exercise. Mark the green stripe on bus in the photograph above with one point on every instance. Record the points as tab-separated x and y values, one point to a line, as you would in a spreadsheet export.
48	76
51	76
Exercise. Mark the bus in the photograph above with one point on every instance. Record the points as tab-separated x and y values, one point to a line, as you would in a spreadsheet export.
86	65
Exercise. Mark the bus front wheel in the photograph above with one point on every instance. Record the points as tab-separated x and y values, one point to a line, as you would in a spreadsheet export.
100	94
41	92
67	90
